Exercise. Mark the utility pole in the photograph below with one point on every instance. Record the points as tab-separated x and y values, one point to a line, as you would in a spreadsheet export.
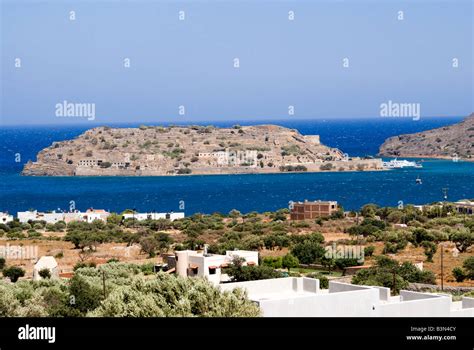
442	268
134	217
394	278
103	283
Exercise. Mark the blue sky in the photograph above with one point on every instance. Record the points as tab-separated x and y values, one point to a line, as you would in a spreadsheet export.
190	62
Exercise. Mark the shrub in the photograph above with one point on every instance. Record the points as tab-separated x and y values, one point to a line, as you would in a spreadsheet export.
389	273
273	261
369	210
289	261
430	249
2	263
420	235
339	214
369	250
14	273
458	274
105	164
81	265
462	238
323	280
346	262
45	273
33	233
326	167
308	252
184	171
468	266
239	273
149	245
87	293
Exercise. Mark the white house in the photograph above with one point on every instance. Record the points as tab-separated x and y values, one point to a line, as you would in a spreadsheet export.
5	218
302	297
53	217
73	216
96	214
153	216
25	216
50	218
193	263
46	262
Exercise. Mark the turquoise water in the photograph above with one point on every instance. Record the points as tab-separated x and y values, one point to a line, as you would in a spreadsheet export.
221	193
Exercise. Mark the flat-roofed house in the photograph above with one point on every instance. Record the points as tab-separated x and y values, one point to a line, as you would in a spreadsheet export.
200	264
465	207
50	218
312	210
73	216
303	297
96	214
153	216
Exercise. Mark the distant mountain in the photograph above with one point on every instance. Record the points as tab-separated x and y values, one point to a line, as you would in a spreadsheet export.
444	142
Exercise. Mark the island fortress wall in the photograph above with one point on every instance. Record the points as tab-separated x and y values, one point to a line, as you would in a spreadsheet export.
313	139
180	150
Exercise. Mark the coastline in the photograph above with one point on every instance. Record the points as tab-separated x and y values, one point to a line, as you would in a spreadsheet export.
210	174
428	157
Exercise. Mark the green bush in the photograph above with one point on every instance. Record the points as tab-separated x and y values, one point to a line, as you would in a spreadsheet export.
81	265
369	250
323	280
468	266
239	273
273	261
184	171
13	272
289	261
429	249
389	273
347	262
308	252
127	293
458	274
45	273
463	238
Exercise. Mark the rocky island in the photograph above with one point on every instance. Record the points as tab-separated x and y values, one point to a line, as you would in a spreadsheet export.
446	142
182	150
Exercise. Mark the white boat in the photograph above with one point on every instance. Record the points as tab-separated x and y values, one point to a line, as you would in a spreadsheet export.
399	164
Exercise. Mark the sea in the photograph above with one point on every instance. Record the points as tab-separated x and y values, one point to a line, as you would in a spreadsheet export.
441	179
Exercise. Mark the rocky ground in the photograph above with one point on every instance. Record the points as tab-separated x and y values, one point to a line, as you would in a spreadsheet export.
447	142
153	150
